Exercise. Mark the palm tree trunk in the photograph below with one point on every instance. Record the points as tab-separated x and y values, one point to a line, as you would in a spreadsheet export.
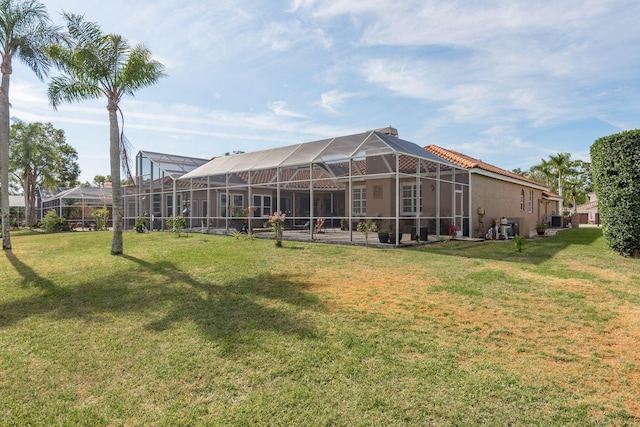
116	190
4	156
559	184
28	188
31	219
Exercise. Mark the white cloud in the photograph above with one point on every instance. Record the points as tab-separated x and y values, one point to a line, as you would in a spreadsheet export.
333	99
280	108
283	36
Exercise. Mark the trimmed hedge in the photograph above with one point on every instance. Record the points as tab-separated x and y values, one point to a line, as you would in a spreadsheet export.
615	165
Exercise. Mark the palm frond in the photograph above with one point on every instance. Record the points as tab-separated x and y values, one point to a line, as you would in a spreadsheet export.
67	88
25	31
141	70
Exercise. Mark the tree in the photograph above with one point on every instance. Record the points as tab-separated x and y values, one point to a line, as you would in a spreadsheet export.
40	156
101	180
541	172
561	166
579	183
25	30
96	65
569	178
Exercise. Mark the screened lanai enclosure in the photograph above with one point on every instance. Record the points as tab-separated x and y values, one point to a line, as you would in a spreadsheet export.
336	182
155	189
75	204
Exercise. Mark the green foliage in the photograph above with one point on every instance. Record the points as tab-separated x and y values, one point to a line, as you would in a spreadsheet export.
366	227
276	223
141	223
39	157
518	241
96	65
570	178
238	235
177	224
25	29
101	215
616	176
52	223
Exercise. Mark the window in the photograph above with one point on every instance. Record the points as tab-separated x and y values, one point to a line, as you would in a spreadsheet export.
530	201
411	199
521	200
223	205
170	204
205	208
156	205
359	201
262	205
238	202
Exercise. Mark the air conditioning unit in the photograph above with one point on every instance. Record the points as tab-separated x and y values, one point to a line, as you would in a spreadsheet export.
556	221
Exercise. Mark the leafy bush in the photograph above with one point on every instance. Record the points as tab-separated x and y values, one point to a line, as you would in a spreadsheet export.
101	216
141	223
366	227
518	241
616	178
176	224
52	223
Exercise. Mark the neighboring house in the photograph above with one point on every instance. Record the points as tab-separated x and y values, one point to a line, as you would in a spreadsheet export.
588	212
371	175
497	193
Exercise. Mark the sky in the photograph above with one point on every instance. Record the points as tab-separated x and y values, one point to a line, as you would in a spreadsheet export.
507	81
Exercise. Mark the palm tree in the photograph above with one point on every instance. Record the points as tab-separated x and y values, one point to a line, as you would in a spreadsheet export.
95	64
561	165
542	170
25	30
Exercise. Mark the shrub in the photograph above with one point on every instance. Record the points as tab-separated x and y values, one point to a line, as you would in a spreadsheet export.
366	227
518	241
101	216
52	222
176	224
141	223
616	178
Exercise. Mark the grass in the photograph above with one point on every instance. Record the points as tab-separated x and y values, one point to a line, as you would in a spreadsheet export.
219	331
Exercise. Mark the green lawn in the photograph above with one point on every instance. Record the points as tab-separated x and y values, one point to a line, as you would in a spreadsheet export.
211	330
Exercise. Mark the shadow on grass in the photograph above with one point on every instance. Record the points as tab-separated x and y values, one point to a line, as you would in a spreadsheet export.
536	250
234	315
29	276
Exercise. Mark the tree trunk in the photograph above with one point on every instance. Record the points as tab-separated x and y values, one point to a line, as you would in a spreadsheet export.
28	189
4	155
559	184
32	204
116	189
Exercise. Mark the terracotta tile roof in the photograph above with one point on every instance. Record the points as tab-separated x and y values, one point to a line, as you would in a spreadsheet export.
471	163
550	195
